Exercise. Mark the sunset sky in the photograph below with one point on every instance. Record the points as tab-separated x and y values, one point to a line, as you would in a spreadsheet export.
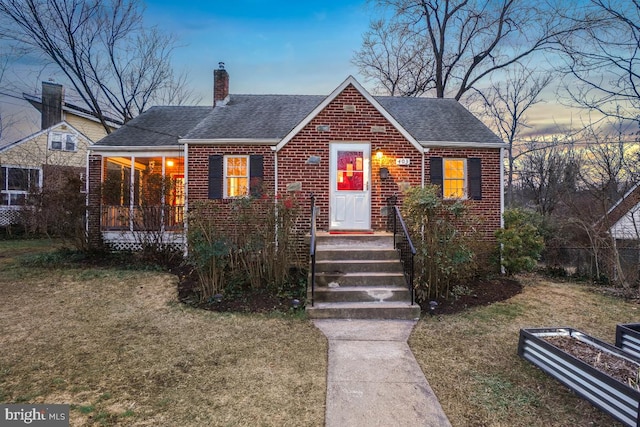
278	46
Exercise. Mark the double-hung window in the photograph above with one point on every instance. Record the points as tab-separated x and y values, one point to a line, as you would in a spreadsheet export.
15	184
236	176
458	178
232	176
63	141
453	180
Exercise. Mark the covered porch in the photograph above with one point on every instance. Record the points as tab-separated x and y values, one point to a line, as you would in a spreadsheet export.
142	199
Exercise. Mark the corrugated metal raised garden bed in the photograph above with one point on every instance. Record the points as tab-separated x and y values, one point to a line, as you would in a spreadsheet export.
597	371
628	338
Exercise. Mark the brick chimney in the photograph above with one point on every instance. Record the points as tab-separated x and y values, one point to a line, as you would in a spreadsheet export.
220	85
52	99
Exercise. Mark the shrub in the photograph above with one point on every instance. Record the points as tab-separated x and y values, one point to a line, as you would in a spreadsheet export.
208	252
263	243
442	235
259	248
521	240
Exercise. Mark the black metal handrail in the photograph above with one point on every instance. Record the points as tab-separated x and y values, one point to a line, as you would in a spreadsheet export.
402	242
312	249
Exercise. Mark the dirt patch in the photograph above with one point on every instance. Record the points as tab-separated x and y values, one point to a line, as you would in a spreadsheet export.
618	368
481	292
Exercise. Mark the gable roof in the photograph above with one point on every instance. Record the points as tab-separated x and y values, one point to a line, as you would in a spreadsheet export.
45	131
275	119
622	207
353	82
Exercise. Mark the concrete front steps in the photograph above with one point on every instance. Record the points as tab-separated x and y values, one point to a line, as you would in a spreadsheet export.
359	276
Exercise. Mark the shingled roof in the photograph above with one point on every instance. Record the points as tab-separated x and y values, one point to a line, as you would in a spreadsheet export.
427	120
437	120
157	127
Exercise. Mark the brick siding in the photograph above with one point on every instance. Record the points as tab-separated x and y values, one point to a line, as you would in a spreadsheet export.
345	125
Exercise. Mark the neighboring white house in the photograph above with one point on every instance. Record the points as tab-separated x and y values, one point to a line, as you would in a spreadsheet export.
623	219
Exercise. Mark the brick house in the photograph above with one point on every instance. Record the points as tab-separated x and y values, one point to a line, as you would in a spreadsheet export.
350	149
35	161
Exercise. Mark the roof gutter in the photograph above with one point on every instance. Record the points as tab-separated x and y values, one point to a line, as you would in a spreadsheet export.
235	141
458	144
136	148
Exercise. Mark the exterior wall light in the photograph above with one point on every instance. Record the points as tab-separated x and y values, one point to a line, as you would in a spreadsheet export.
379	153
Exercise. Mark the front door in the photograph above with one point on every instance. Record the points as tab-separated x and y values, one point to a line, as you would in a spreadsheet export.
350	204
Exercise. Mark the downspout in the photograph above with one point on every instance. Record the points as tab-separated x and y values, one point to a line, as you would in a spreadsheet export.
275	190
424	158
185	208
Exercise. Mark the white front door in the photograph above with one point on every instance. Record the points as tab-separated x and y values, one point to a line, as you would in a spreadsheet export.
350	204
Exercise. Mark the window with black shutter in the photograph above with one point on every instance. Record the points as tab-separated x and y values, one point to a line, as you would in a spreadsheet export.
235	176
458	178
474	166
215	177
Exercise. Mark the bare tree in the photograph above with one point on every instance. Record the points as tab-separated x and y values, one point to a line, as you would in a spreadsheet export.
116	65
463	41
548	173
602	59
610	163
395	58
505	104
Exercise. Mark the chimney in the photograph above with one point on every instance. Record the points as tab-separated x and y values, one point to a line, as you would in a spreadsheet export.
52	99
220	85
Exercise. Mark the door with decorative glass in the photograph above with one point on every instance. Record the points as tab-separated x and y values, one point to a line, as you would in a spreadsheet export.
350	196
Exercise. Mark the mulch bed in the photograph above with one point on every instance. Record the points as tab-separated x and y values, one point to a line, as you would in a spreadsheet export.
620	369
482	292
244	300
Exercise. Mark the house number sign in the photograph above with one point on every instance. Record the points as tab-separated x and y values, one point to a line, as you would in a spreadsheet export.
403	162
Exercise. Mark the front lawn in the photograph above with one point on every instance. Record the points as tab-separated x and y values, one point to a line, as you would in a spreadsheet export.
117	346
470	359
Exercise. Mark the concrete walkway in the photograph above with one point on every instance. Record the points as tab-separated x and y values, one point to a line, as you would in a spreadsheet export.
374	379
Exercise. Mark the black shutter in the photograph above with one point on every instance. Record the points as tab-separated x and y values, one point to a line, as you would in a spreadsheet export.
436	172
256	168
216	167
474	167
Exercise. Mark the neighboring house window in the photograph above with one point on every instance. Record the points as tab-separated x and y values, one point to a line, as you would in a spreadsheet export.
457	178
15	184
235	176
63	141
